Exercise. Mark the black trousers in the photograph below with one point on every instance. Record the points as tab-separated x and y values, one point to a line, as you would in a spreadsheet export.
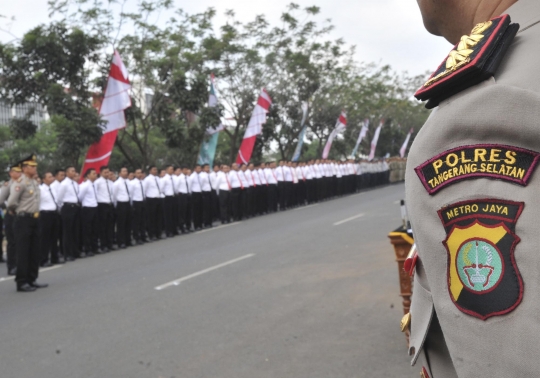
282	193
196	207
246	202
106	225
138	221
153	216
11	243
123	223
182	199
224	206
215	205
169	207
235	203
71	226
272	197
49	229
28	251
207	208
90	224
262	198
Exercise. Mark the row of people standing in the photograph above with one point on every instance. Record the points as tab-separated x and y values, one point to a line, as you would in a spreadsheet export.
109	210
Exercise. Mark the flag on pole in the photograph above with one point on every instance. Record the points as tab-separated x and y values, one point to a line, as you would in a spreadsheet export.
258	118
375	140
298	150
363	132
209	144
115	101
341	124
405	144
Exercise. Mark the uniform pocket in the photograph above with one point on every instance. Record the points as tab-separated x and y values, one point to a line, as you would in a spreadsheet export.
421	315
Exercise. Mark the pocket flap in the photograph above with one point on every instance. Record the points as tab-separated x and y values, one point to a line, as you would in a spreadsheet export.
421	315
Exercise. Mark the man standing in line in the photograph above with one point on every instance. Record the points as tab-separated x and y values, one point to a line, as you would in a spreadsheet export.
122	199
138	197
206	187
89	212
68	200
14	174
182	190
255	182
154	206
189	208
223	188
263	189
272	181
105	209
215	198
169	203
196	198
236	192
23	203
49	222
245	196
279	173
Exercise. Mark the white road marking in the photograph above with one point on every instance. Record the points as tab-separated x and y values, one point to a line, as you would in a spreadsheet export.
216	228
349	219
180	280
397	202
305	207
2	279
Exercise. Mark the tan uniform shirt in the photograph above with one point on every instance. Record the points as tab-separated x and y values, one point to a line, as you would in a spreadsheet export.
4	192
24	196
473	199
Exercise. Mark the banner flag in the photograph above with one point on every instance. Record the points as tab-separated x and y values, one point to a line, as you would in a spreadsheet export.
115	101
341	124
207	152
375	140
258	118
361	136
298	150
405	144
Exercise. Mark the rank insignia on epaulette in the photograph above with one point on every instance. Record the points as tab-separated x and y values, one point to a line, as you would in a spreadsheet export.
474	59
483	277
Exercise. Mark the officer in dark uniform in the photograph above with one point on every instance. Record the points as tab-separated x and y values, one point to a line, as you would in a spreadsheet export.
23	203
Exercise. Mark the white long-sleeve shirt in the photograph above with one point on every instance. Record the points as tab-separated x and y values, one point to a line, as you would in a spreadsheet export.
222	182
234	179
121	191
262	176
103	190
152	187
213	179
167	185
243	178
205	182
48	198
195	183
270	175
136	189
87	194
279	172
182	184
68	192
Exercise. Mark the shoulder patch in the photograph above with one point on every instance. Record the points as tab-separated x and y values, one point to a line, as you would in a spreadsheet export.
496	161
482	274
474	59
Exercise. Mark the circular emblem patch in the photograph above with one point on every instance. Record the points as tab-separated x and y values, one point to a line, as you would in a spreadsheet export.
479	265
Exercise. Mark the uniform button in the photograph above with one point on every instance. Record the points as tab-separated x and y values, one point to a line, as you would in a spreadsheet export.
405	322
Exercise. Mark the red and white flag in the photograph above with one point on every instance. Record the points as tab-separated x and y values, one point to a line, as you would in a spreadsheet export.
341	124
375	140
258	118
405	144
115	101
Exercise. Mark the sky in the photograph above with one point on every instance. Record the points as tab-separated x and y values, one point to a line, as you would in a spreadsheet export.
383	31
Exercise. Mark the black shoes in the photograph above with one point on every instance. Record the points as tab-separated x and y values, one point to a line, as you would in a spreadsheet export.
12	272
26	288
38	285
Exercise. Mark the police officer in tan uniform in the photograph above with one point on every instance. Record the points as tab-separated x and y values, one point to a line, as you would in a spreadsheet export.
23	203
9	219
472	194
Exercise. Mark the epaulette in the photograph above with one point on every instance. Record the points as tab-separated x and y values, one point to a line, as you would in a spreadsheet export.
474	59
19	180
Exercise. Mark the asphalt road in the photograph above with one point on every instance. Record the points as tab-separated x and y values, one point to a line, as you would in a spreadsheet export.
311	292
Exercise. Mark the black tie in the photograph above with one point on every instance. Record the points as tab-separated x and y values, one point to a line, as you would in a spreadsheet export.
108	190
127	190
142	190
76	191
155	178
95	194
172	183
54	199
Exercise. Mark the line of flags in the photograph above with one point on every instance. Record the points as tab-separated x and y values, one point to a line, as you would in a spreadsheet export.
116	100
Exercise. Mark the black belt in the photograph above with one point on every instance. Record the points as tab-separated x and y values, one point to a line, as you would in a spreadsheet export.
27	215
71	204
104	203
49	211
